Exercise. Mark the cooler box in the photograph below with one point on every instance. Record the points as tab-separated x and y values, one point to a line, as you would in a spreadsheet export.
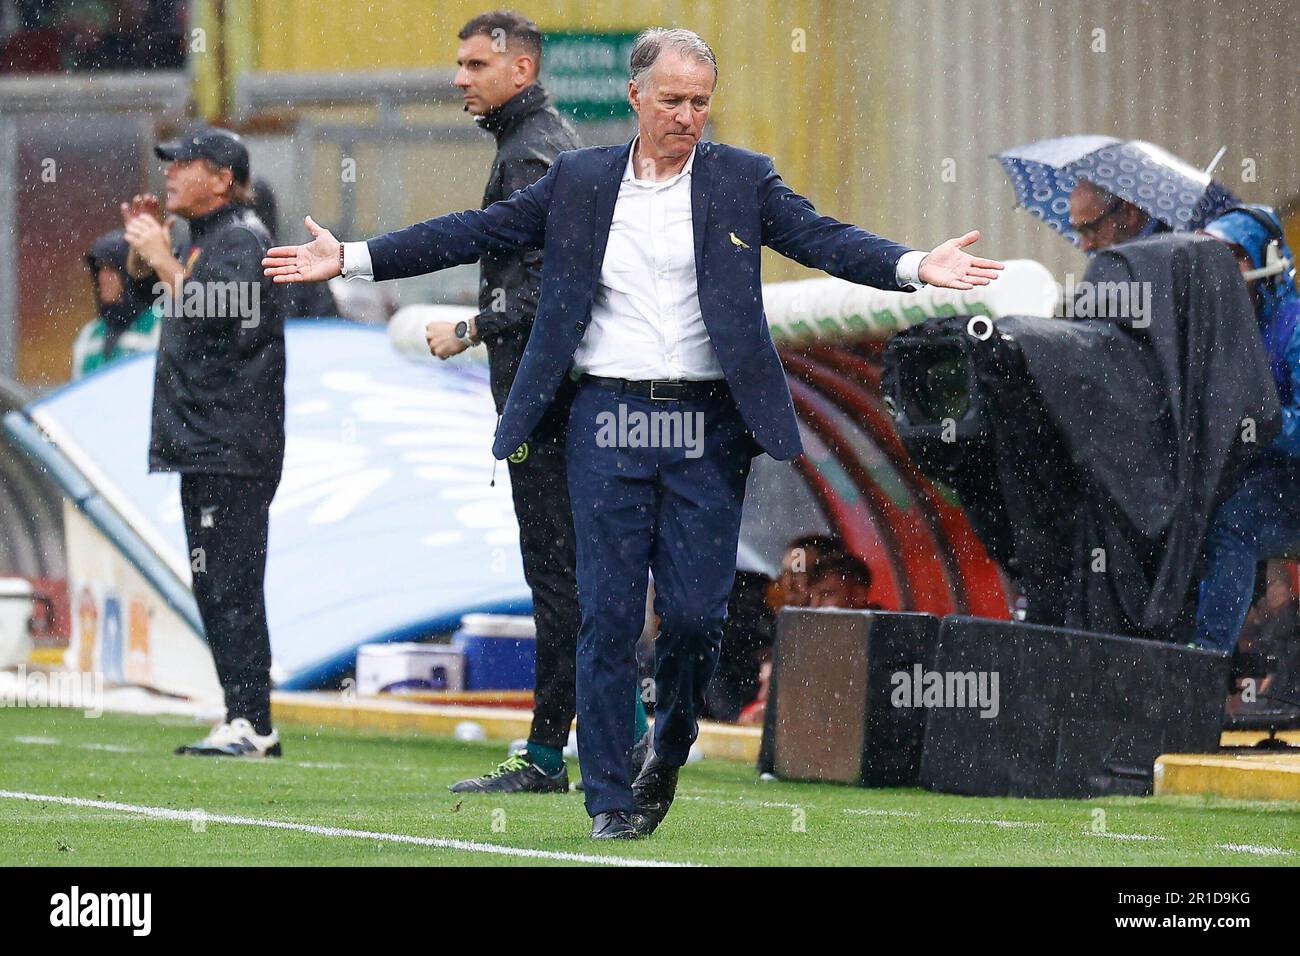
15	621
500	651
392	668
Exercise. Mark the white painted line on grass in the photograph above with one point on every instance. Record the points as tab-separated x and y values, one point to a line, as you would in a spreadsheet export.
1106	834
1005	824
467	846
43	741
1251	848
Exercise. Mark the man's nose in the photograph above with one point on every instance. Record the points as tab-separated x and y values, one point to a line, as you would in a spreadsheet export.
461	80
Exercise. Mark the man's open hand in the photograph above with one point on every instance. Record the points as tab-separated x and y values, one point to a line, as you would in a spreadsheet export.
950	267
315	261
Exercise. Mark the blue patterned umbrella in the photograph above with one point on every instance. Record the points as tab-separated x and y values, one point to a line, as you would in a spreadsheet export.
1156	181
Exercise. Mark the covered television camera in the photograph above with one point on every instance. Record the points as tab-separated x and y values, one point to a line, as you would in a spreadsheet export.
1090	452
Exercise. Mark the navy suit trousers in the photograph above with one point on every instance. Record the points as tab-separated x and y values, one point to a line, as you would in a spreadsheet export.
656	486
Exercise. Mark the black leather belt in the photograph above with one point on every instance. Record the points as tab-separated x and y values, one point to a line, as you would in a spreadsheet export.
663	390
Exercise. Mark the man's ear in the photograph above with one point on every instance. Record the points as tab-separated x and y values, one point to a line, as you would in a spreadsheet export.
227	177
525	70
634	96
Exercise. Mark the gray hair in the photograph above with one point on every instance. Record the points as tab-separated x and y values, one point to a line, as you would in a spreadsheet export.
650	43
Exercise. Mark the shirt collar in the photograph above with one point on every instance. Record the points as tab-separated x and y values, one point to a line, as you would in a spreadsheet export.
629	174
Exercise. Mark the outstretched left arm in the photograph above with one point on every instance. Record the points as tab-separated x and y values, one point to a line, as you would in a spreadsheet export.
795	229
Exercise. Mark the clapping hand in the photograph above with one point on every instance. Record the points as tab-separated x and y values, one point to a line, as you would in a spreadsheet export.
142	204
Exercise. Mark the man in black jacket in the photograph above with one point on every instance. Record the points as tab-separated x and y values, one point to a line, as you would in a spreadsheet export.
499	57
218	409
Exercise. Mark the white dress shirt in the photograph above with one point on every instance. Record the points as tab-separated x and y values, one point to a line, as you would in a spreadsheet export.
645	315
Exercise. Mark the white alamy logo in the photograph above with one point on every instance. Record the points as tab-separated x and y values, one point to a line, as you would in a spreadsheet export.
73	689
922	688
633	428
1129	301
74	908
211	300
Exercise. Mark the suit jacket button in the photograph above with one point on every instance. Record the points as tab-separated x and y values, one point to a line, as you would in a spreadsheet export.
579	327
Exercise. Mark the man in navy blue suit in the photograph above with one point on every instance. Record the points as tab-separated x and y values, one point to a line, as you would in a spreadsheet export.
651	300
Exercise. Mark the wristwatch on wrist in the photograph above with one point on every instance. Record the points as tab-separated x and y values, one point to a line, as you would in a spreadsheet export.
462	332
341	258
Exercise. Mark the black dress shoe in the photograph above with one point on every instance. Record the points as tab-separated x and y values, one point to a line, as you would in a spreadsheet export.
613	825
653	790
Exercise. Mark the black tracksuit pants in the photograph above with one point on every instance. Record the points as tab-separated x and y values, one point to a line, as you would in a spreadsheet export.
226	522
540	486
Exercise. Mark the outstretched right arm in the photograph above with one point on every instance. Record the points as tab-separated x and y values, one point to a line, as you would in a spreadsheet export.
518	222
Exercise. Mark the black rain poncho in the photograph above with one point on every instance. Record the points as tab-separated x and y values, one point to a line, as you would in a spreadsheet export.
1109	441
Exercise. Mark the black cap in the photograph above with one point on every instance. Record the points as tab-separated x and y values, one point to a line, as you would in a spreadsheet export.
218	145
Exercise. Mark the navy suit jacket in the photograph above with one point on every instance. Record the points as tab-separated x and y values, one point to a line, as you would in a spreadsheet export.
739	204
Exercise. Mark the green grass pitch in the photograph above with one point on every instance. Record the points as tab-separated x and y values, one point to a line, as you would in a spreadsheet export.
377	799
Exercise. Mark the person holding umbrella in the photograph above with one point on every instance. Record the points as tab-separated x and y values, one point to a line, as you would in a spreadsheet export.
1099	191
1101	219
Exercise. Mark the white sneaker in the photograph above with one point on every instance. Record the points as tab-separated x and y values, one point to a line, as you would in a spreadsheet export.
235	739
